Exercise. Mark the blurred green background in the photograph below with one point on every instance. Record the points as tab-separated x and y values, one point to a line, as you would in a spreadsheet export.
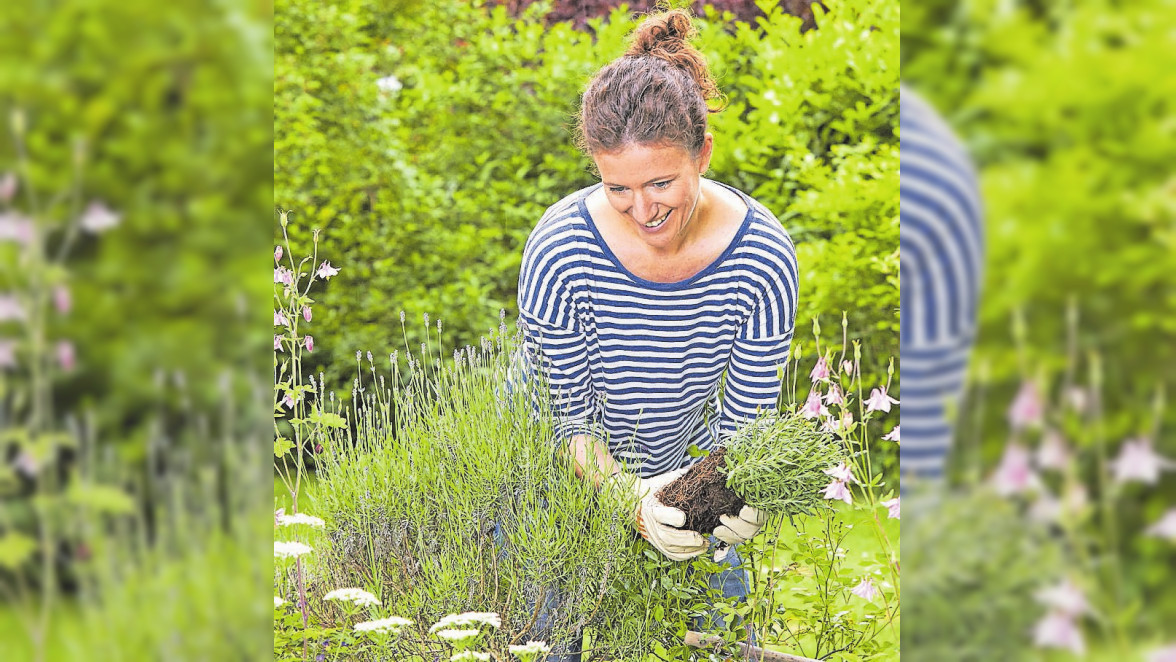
164	112
426	139
1069	110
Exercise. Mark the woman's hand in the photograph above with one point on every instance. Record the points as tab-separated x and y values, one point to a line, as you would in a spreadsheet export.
657	522
738	529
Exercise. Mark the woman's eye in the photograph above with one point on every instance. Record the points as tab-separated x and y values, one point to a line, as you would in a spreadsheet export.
662	185
617	189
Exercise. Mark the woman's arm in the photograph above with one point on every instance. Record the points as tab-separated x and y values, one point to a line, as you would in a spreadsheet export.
592	460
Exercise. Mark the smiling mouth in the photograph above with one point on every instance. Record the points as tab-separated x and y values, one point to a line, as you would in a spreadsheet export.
658	221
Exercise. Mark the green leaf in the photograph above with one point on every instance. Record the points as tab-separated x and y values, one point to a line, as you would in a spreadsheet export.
101	498
15	549
327	419
282	446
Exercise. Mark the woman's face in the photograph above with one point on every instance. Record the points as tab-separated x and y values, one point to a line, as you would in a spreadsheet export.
654	188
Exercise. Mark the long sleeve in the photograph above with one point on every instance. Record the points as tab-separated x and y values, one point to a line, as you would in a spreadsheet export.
553	339
761	346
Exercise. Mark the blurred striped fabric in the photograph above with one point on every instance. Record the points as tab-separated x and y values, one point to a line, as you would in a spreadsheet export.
941	239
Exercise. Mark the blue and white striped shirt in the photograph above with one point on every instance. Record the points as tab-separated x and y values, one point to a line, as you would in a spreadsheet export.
639	363
941	238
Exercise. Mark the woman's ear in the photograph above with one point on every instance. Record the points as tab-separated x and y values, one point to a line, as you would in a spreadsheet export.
704	157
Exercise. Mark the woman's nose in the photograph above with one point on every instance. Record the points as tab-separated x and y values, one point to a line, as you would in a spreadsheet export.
644	208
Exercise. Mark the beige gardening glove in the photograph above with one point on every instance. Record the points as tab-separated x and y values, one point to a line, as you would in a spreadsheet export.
738	529
657	522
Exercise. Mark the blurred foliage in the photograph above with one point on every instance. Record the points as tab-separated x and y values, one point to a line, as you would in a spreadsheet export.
430	137
1068	110
171	102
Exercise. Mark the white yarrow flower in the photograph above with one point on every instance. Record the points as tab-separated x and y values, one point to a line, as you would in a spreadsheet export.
278	602
289	550
457	636
530	650
470	656
469	619
356	596
390	625
300	518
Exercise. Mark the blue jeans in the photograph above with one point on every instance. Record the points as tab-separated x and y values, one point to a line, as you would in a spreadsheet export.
730	582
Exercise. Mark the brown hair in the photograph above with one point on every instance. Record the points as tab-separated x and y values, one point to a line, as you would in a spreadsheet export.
656	93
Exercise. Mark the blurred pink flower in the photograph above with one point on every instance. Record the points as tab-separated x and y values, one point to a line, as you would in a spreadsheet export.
892	505
61	299
1138	461
1026	408
1166	654
10	309
8	187
278	342
1057	630
834	397
309	343
847	367
1014	474
65	355
98	218
838	490
812	406
280	319
1046	508
278	515
325	270
1065	598
842	472
1053	452
289	400
865	590
7	353
1078	399
17	228
892	435
1165	527
879	400
27	464
306	313
277	253
820	371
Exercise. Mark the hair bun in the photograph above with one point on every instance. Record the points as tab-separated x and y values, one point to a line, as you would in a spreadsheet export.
663	34
666	35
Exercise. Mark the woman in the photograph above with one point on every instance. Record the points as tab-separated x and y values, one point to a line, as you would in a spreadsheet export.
657	304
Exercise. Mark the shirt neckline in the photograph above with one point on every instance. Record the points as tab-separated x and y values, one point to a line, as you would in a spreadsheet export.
583	207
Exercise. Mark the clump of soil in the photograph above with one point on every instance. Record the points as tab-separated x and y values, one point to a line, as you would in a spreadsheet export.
702	494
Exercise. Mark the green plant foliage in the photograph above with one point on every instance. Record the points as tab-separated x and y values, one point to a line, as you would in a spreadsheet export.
974	563
430	137
777	463
454	499
163	110
1067	111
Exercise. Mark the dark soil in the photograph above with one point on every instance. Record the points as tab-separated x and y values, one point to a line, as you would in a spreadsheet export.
702	494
